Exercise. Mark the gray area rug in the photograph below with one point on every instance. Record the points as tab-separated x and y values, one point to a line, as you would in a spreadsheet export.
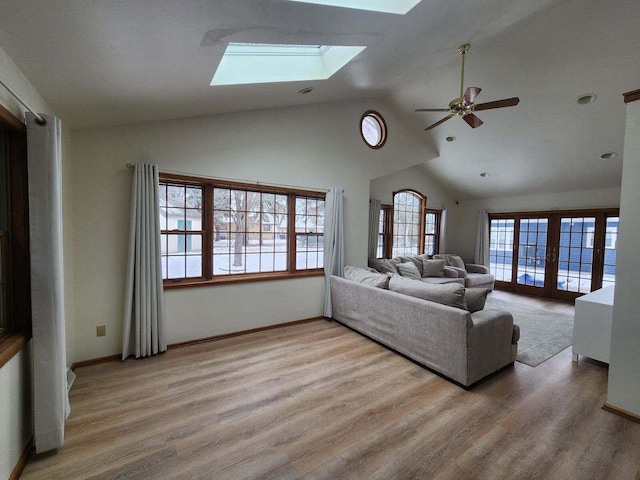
543	333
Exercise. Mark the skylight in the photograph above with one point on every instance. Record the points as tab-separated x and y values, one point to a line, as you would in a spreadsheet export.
387	6
245	63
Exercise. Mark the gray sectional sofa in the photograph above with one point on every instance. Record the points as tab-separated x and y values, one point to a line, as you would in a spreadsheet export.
462	346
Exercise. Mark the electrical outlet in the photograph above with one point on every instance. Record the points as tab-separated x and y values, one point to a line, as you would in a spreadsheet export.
101	331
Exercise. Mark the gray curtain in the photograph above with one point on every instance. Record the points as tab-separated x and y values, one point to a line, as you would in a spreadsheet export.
144	321
482	239
374	227
442	244
333	241
51	401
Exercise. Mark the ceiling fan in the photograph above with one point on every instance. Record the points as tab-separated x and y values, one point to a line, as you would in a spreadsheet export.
464	105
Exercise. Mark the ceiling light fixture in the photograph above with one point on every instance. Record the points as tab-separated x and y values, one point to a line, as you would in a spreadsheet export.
450	139
586	99
484	175
608	155
304	91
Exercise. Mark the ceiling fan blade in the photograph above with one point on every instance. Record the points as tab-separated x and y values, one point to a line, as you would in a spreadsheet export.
431	110
470	95
507	102
472	120
439	122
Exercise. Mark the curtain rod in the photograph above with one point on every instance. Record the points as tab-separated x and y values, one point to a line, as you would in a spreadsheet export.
39	119
131	166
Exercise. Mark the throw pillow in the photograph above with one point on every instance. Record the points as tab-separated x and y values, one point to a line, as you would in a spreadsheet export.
475	298
409	270
451	294
415	259
360	275
455	261
433	268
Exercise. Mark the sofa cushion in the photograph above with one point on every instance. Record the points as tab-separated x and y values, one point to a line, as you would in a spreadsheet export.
475	298
451	294
383	265
360	275
442	280
409	270
433	268
479	279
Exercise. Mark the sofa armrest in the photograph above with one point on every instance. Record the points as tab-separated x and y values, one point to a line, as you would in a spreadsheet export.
489	342
450	272
475	268
462	273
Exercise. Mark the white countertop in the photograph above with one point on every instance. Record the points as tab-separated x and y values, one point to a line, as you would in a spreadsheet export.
602	296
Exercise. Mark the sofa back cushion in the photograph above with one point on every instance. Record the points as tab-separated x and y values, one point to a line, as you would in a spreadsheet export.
433	268
475	298
383	265
409	270
360	275
451	294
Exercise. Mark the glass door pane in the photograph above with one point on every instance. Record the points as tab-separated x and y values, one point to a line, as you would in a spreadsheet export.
501	249
532	252
575	253
610	241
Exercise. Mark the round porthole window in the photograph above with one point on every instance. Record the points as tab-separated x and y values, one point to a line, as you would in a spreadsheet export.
373	129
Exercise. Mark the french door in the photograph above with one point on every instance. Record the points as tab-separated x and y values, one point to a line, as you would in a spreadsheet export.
554	254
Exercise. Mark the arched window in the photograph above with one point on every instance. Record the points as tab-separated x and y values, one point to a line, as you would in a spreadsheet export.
409	209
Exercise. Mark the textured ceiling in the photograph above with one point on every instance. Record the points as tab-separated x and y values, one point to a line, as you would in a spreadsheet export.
107	62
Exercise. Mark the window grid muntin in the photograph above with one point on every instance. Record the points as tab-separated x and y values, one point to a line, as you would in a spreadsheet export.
408	223
181	209
575	256
532	249
432	232
309	226
241	245
501	248
610	253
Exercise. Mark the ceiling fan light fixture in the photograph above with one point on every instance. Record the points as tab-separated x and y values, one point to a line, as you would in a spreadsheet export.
609	155
464	106
586	99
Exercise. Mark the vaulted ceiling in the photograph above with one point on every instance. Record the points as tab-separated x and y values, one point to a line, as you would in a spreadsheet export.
107	62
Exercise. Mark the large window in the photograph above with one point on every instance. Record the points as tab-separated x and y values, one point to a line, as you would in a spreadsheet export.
408	223
213	231
15	292
384	231
432	231
407	227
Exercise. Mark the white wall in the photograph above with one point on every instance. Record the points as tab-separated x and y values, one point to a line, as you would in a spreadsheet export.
624	370
413	178
15	375
461	235
315	146
15	414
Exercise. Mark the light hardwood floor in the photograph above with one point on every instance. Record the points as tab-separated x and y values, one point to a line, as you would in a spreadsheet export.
319	401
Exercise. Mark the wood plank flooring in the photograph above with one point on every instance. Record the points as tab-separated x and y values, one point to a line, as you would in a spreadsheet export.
318	401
